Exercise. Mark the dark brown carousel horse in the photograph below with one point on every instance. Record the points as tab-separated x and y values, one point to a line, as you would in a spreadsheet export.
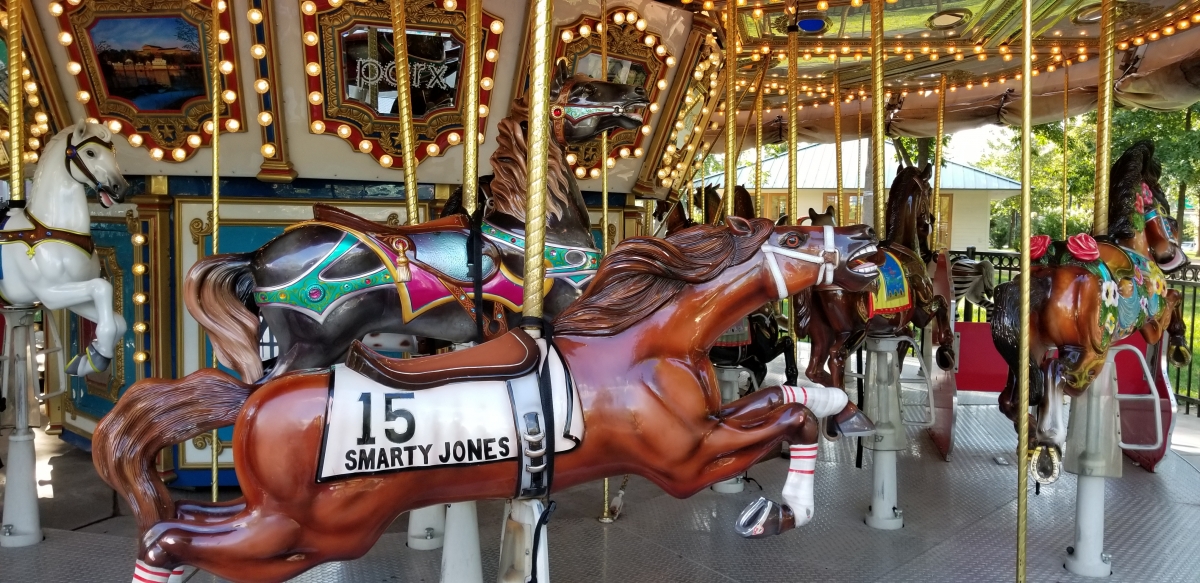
324	283
837	321
1088	294
636	354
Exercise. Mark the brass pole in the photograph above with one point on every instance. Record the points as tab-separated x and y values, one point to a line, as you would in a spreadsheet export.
214	57
793	49
859	167
16	105
731	105
542	27
408	137
758	148
471	74
937	158
741	140
1026	277
1104	109
1066	146
837	145
603	32
878	110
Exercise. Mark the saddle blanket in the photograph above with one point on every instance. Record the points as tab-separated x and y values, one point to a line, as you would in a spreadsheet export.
373	429
892	294
737	335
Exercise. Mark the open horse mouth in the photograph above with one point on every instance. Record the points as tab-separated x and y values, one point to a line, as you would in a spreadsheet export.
106	200
864	261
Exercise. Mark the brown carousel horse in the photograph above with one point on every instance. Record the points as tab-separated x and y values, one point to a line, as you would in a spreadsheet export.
630	352
1087	295
837	320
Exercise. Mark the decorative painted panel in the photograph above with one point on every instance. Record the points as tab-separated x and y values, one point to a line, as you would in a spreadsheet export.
350	63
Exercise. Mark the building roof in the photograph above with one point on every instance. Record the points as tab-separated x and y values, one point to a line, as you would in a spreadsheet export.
818	170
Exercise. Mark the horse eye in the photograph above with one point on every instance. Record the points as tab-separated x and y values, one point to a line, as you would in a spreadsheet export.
793	240
90	153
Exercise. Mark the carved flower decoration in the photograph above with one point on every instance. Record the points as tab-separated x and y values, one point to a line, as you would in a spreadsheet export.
1145	306
1083	247
1038	246
1110	323
1110	293
1145	200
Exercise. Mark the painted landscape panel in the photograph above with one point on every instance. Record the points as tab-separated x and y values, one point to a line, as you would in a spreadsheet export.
153	62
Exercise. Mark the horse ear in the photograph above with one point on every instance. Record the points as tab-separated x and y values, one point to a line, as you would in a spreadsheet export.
559	79
80	130
928	172
899	168
781	221
829	211
738	225
812	213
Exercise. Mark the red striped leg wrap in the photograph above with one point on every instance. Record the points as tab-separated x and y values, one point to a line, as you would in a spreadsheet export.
176	575
798	488
822	401
143	573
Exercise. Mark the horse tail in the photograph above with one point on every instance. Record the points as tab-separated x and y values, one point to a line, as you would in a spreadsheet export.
1006	334
154	414
219	293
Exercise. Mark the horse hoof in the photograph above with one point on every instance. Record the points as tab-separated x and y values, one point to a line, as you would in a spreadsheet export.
764	518
945	357
1181	356
849	422
91	361
1045	464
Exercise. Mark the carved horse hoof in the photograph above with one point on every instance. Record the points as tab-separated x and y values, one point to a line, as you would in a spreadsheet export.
87	363
945	357
849	422
1180	356
1045	464
764	518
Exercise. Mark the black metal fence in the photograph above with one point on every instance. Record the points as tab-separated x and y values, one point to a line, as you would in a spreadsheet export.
1185	381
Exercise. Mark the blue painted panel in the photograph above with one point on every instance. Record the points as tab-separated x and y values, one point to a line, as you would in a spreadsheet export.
239	239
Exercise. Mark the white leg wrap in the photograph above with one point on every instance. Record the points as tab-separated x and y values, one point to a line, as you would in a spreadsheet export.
798	488
822	401
143	573
176	575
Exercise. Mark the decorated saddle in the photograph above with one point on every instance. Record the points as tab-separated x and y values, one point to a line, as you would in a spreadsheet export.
480	405
893	294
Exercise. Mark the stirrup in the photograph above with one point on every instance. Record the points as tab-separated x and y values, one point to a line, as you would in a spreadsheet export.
857	424
88	362
764	518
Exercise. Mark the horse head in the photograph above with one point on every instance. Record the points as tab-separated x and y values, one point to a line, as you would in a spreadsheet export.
852	255
1138	201
90	158
909	221
673	214
582	107
743	203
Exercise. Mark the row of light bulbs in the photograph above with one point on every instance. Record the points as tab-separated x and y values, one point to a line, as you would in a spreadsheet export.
1165	31
672	163
140	326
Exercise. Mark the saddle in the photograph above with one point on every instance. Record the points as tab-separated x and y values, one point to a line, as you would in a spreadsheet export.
507	357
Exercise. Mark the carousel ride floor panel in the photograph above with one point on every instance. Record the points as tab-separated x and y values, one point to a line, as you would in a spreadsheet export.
960	526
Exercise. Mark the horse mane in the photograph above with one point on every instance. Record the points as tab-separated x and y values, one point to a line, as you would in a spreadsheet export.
510	185
642	274
1135	166
906	178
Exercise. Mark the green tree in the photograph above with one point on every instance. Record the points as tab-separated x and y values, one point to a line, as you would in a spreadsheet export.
1176	141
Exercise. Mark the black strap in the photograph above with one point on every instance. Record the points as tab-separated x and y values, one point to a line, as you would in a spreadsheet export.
72	157
546	391
537	537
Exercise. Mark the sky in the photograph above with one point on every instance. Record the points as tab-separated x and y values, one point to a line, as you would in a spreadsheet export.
132	33
967	147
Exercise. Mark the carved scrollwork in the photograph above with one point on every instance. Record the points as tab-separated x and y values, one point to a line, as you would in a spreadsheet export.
199	228
203	440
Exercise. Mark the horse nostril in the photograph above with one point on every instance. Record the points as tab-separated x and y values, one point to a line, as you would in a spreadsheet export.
640	92
870	232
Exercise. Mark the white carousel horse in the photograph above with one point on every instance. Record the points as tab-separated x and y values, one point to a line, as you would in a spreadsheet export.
46	250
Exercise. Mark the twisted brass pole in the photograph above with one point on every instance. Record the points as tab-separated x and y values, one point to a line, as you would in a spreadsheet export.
878	111
16	105
1026	278
1104	109
793	128
731	106
471	75
540	61
837	146
937	159
758	148
408	137
603	32
1066	146
214	50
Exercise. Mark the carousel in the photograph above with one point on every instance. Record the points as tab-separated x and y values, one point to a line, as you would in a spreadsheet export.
262	267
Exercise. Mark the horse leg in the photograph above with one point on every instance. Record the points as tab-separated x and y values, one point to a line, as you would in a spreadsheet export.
1178	353
790	368
91	299
930	306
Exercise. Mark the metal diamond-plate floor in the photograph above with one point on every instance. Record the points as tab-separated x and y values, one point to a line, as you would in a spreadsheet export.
960	526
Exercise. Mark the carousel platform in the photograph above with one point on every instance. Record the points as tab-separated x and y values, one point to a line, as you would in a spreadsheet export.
960	524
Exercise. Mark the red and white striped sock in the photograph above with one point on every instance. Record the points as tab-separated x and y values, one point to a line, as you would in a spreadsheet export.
176	575
798	488
822	401
143	573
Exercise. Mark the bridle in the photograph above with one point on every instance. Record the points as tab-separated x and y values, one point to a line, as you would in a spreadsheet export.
828	261
72	158
560	111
